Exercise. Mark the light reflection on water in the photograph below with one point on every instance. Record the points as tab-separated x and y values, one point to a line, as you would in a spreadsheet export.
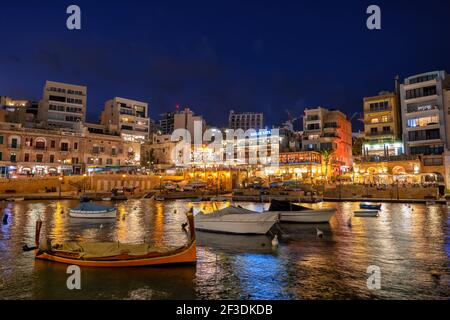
409	243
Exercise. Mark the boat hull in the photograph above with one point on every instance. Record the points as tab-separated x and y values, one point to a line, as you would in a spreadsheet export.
258	223
370	206
186	256
93	215
366	213
307	216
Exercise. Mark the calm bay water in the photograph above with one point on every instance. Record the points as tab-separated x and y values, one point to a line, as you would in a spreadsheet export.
411	245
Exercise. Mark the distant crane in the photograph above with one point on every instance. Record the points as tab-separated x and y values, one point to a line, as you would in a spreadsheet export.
290	122
359	115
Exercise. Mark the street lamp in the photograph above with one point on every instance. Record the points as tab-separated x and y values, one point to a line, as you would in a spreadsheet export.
60	178
84	183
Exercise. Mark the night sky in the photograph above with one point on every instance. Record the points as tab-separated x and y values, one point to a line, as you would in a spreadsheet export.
213	56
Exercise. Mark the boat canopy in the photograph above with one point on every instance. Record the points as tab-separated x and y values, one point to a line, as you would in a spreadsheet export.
88	250
277	205
92	207
227	211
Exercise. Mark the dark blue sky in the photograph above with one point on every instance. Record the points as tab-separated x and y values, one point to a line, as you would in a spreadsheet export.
214	56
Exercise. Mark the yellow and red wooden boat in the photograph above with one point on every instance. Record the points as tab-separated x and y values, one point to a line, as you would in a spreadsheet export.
184	254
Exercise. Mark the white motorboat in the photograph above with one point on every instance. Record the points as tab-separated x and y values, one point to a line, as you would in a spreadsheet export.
366	213
15	199
106	199
290	212
93	211
236	220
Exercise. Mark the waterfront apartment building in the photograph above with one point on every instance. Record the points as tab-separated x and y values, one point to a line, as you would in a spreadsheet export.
382	125
245	120
325	129
25	151
62	106
186	119
166	123
129	117
423	113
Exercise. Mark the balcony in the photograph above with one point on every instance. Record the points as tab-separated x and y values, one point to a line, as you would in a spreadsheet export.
369	122
403	157
379	133
14	146
375	110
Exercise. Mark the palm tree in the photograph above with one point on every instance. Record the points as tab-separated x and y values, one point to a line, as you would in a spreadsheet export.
326	157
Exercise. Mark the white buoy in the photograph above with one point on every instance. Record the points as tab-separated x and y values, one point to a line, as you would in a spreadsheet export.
319	233
275	241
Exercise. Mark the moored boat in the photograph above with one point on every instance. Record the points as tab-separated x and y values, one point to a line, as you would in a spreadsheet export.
366	213
370	206
16	199
114	254
94	211
236	220
106	199
295	213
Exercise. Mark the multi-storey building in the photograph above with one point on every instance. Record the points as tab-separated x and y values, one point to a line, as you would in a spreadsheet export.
19	111
325	129
382	126
186	119
25	151
166	123
245	120
130	117
423	114
62	106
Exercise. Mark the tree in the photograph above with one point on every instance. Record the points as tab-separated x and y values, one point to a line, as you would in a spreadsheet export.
327	154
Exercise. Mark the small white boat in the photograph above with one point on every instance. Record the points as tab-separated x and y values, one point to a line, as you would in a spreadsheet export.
366	213
236	220
219	199
290	212
93	211
308	216
15	199
106	199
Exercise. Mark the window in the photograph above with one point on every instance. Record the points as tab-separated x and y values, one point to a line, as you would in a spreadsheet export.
52	158
313	126
109	161
1	139
64	146
422	122
433	162
52	143
40	144
75	145
379	106
26	157
423	78
13	157
14	143
39	158
426	150
420	92
419	135
74	160
57	98
373	130
1	156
